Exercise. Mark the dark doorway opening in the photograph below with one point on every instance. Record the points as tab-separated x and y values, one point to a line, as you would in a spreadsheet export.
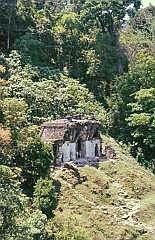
78	148
96	150
55	152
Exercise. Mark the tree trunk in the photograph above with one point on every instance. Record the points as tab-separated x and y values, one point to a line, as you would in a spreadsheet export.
8	33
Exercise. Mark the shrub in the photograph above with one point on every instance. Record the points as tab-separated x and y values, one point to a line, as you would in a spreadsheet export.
45	197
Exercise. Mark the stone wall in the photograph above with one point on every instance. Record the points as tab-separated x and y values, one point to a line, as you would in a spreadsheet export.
90	148
70	154
69	151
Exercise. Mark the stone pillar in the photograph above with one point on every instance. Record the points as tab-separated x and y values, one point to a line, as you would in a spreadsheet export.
69	151
90	149
72	151
66	151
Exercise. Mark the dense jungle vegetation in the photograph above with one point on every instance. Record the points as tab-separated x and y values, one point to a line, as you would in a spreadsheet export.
59	58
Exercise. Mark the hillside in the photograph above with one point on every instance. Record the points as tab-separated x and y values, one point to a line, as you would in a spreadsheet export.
65	60
115	201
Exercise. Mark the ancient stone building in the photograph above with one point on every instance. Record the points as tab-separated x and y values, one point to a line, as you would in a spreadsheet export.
73	138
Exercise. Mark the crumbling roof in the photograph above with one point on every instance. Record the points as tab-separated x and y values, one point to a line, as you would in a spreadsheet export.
67	121
55	123
56	130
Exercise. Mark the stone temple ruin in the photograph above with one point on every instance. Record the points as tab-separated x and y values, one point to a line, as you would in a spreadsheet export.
74	139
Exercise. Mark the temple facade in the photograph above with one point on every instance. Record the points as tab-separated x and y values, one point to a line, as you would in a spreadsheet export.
73	139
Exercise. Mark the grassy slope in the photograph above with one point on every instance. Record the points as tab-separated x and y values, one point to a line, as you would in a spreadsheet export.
114	202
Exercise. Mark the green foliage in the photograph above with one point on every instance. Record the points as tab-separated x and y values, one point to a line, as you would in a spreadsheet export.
16	18
16	220
144	21
142	122
94	202
20	144
134	43
36	45
138	131
109	14
34	156
104	62
141	75
11	204
50	94
62	58
33	50
87	50
44	196
63	231
67	36
14	113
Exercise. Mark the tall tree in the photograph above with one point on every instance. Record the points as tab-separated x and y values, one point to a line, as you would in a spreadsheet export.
7	19
142	123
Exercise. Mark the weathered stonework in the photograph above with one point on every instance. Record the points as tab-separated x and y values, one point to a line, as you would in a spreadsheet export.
73	138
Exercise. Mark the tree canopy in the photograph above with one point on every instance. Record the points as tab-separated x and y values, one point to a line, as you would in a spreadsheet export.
58	58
